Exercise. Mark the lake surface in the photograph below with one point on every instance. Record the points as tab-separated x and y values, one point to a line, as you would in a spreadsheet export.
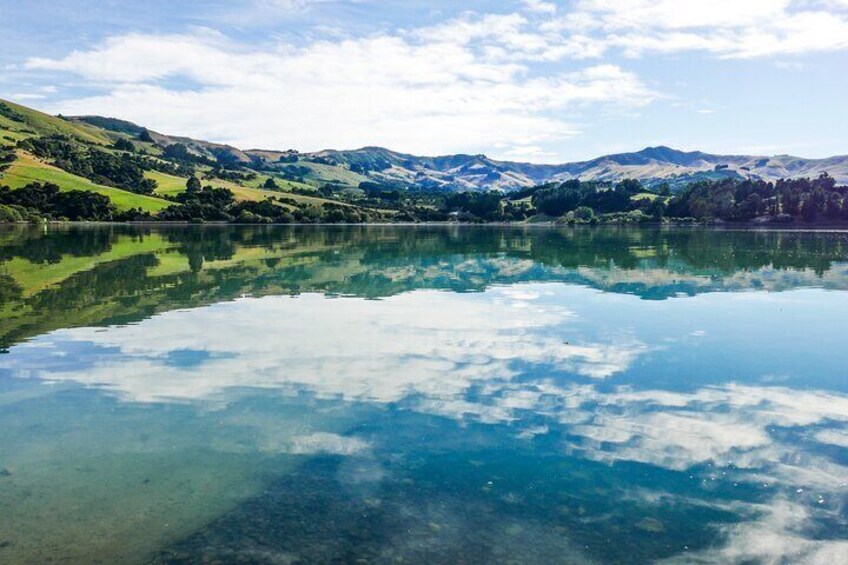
423	395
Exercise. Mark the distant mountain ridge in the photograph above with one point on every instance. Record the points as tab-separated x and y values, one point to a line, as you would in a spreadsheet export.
651	165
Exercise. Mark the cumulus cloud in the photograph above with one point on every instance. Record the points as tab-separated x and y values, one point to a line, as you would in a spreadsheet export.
461	86
478	82
540	6
723	28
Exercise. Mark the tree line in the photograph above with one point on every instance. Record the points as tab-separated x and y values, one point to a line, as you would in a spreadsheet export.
37	202
727	200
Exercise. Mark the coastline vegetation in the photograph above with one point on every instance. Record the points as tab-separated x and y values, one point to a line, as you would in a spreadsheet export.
572	202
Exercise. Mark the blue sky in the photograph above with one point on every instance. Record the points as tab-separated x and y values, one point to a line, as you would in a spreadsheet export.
533	80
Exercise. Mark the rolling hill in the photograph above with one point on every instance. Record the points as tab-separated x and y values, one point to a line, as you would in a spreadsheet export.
19	123
310	177
461	172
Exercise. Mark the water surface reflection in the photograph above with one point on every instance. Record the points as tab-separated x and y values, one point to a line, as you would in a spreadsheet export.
315	395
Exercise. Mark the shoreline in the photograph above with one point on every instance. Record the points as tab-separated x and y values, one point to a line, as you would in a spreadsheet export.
730	226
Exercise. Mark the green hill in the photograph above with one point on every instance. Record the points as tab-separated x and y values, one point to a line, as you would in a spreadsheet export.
138	169
20	122
26	169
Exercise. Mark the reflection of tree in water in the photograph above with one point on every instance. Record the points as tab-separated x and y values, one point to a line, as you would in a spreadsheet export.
36	246
199	244
9	289
375	261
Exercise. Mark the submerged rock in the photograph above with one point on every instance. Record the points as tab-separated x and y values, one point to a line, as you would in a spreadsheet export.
650	525
4	472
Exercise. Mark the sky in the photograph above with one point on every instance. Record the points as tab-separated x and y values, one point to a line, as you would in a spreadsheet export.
526	80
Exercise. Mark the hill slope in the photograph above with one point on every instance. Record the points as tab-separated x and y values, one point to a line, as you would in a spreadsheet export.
27	169
479	172
346	170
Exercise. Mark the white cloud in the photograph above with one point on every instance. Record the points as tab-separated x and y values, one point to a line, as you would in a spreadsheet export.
540	6
464	85
725	28
473	83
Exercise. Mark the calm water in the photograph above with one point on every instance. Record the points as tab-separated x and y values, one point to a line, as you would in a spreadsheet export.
423	395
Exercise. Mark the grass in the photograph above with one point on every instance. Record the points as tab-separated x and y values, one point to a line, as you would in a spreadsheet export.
284	184
26	169
11	132
166	185
326	173
171	185
643	196
45	124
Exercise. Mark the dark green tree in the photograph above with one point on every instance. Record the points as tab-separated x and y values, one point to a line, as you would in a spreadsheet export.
193	185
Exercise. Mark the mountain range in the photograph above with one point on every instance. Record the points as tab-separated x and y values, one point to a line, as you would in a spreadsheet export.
460	172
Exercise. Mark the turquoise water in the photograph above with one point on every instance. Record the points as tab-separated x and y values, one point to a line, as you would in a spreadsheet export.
423	395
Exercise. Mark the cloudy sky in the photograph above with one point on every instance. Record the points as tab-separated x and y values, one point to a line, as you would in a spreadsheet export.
536	80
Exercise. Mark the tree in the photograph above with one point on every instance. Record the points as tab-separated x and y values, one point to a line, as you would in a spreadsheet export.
145	136
557	200
584	214
656	209
270	184
124	145
177	152
193	185
483	205
833	206
47	200
630	187
78	205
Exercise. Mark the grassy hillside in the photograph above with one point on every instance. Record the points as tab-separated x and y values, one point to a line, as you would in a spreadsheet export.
41	124
27	169
170	185
19	123
374	184
321	173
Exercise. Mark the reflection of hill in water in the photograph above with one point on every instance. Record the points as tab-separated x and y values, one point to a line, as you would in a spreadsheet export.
115	274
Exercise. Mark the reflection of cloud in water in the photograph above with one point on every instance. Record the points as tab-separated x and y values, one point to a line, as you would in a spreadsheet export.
429	343
734	427
764	278
720	424
776	536
429	351
322	442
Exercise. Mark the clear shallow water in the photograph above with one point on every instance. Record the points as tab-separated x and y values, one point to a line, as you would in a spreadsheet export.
389	394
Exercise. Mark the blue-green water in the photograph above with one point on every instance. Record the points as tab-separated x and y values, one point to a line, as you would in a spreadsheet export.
423	395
